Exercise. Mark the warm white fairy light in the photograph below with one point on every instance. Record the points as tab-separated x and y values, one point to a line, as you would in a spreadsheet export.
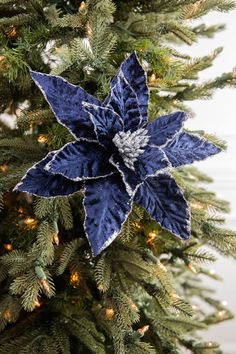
137	225
143	330
3	167
74	279
175	296
7	314
151	237
192	268
45	284
37	303
8	246
194	307
212	272
109	313
42	139
56	239
152	79
196	205
221	314
82	6
30	222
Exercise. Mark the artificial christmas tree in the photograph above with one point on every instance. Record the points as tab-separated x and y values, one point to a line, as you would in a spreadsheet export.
132	291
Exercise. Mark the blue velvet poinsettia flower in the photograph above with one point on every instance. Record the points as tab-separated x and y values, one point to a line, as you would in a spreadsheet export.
117	156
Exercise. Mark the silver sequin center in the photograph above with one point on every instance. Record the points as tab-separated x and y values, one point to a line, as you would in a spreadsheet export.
131	145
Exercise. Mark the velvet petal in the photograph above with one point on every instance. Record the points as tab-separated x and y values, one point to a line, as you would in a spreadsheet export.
107	205
165	128
66	100
42	183
133	72
123	101
165	202
186	148
81	160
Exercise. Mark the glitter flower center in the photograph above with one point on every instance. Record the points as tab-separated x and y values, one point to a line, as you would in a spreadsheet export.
131	145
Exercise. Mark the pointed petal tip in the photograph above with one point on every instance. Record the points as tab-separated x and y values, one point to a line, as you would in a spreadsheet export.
185	235
37	77
134	55
182	115
95	253
164	200
34	74
218	149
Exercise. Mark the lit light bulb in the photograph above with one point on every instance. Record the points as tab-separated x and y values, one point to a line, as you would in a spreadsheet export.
42	139
89	31
196	205
192	268
210	344
143	330
137	225
192	177
12	33
74	279
194	307
151	237
3	168
8	246
7	315
221	314
224	303
175	296
152	79
30	222
45	284
100	287
109	313
82	6
170	60
56	239
37	304
212	272
133	306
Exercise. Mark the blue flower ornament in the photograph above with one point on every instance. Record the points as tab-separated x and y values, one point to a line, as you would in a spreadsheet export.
117	156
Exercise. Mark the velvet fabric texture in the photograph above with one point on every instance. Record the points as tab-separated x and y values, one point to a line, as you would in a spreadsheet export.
118	157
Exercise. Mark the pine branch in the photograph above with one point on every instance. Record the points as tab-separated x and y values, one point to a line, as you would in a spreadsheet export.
39	116
15	262
102	273
201	8
60	337
67	254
